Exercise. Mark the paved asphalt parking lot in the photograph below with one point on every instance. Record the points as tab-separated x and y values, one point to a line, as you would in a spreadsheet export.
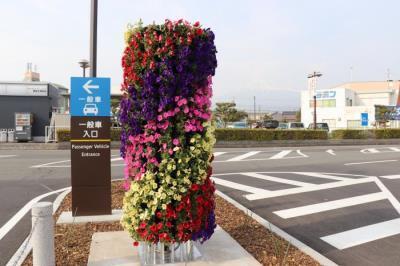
341	201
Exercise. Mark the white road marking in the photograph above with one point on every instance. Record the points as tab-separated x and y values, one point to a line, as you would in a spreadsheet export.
371	150
331	152
391	176
278	179
384	161
389	195
241	187
23	211
116	159
363	234
395	149
330	205
243	156
7	156
291	191
302	154
322	175
280	155
218	153
51	164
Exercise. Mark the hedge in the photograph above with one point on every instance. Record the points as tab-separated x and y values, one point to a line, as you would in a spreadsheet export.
388	133
235	134
230	134
65	135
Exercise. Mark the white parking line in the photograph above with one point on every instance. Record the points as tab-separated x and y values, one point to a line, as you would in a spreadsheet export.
363	234
291	191
279	180
51	164
384	161
243	156
280	155
395	149
7	156
330	205
238	186
218	153
21	213
391	176
321	175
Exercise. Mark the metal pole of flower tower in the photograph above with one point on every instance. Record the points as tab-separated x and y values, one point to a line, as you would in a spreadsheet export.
93	38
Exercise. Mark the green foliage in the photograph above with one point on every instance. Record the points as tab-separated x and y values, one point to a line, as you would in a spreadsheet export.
349	134
387	133
227	112
63	135
237	134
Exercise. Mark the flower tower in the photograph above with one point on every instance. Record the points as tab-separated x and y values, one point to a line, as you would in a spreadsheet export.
167	136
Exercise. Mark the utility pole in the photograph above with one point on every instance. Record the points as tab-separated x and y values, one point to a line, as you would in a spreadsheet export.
254	109
93	38
313	76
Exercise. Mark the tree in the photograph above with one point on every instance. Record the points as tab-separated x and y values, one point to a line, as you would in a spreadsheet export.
226	112
267	117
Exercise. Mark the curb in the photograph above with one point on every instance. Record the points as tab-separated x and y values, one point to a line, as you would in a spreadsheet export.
26	247
302	143
293	241
222	144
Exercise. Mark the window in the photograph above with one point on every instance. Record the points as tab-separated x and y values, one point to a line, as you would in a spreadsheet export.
324	103
353	124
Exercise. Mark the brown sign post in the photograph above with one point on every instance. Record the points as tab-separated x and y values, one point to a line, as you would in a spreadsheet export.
90	147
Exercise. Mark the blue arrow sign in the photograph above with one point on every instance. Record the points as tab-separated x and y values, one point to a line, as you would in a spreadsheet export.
90	96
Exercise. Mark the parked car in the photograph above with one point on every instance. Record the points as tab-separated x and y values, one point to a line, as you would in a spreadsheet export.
270	124
322	126
238	125
295	125
283	126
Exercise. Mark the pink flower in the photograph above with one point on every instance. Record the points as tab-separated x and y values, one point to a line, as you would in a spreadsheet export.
175	142
182	102
186	110
159	117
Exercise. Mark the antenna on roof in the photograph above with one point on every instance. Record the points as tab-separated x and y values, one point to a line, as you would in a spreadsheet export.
388	74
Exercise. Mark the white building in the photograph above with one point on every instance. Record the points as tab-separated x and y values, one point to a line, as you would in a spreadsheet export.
341	106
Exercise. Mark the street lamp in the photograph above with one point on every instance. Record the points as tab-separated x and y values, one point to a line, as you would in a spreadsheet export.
313	76
83	63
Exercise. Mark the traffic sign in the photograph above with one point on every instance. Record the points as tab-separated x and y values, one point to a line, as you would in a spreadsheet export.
90	146
364	119
90	96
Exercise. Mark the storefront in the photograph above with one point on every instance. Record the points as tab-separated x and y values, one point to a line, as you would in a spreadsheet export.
41	99
342	106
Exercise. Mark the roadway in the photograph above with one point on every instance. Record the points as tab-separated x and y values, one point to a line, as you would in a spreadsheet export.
341	201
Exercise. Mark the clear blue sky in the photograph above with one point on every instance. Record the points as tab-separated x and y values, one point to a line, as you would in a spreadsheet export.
265	48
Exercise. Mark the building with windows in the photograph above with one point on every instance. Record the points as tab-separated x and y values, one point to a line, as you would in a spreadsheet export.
342	106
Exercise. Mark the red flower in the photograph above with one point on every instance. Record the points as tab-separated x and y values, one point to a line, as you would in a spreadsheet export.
159	226
195	187
199	31
168	224
135	244
196	24
159	215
